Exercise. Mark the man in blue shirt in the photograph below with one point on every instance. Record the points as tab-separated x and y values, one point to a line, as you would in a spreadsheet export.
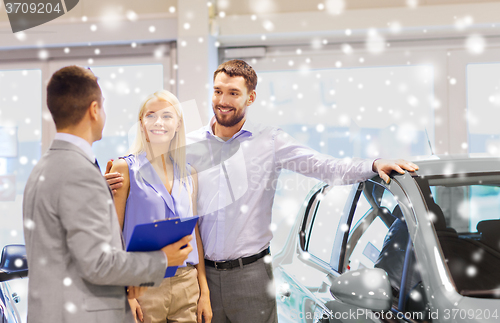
238	164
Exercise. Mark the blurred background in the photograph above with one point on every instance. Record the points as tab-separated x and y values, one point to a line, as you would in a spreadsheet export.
350	78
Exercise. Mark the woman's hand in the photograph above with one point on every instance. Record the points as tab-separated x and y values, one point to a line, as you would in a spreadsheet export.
136	310
135	291
204	308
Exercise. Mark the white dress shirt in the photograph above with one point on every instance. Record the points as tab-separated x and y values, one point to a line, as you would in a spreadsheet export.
77	141
237	180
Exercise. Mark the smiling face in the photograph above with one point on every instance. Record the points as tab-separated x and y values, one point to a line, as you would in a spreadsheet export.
160	122
230	100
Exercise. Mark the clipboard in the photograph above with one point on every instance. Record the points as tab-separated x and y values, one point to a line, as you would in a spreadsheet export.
156	235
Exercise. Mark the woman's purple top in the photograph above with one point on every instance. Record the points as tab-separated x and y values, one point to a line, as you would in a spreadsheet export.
148	199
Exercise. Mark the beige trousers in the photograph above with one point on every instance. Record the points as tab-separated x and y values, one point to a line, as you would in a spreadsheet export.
175	300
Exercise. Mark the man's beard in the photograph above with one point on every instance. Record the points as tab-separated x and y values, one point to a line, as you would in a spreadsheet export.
229	121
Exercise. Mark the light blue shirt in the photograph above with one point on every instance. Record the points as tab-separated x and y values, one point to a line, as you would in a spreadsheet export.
237	181
77	141
149	201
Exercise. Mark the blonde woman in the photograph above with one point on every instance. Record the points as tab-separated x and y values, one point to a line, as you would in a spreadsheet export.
157	184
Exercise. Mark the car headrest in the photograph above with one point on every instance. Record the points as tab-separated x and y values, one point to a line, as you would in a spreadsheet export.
489	230
436	215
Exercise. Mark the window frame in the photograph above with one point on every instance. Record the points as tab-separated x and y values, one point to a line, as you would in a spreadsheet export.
117	55
308	222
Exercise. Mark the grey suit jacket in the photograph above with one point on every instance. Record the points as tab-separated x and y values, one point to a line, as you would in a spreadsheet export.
77	264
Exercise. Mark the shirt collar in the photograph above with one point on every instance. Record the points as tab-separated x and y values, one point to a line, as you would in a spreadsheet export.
248	126
77	141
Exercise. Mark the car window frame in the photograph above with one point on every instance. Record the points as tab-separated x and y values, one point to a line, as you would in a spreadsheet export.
342	261
305	227
308	221
396	189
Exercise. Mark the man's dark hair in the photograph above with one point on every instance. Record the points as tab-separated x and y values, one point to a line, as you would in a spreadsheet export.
71	90
238	67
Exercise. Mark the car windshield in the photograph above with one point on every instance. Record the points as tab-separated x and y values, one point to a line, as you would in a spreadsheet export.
466	217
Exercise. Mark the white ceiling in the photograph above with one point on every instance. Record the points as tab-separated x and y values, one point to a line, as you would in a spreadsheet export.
247	7
110	8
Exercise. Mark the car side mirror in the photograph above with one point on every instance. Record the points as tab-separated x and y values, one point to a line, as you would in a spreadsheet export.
13	263
368	288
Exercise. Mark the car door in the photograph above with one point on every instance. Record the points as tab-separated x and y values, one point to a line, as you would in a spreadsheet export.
323	232
377	237
372	234
359	239
344	228
299	279
324	237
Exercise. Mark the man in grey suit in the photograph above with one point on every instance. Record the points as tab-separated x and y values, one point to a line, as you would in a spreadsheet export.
78	268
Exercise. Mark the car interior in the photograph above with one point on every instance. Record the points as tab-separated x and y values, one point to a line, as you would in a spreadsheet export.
473	263
373	194
393	255
462	252
397	257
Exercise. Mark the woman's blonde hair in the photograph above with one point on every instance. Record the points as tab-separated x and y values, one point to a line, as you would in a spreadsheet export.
177	148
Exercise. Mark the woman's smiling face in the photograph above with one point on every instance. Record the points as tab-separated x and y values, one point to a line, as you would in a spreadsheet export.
160	122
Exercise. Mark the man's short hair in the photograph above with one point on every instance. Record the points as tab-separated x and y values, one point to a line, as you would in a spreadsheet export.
238	67
70	92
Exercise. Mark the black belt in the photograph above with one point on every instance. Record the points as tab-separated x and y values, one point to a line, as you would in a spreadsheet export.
236	263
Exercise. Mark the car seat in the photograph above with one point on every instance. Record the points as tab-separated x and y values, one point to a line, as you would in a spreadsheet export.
473	265
490	233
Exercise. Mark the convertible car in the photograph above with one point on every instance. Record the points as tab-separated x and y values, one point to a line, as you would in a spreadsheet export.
423	248
13	265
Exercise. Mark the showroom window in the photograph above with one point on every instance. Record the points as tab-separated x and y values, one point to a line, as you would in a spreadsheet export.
351	112
124	87
20	149
126	76
20	136
483	108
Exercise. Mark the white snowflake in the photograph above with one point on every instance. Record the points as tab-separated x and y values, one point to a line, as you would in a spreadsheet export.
131	15
335	7
375	42
29	224
70	307
43	54
475	44
18	263
67	281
